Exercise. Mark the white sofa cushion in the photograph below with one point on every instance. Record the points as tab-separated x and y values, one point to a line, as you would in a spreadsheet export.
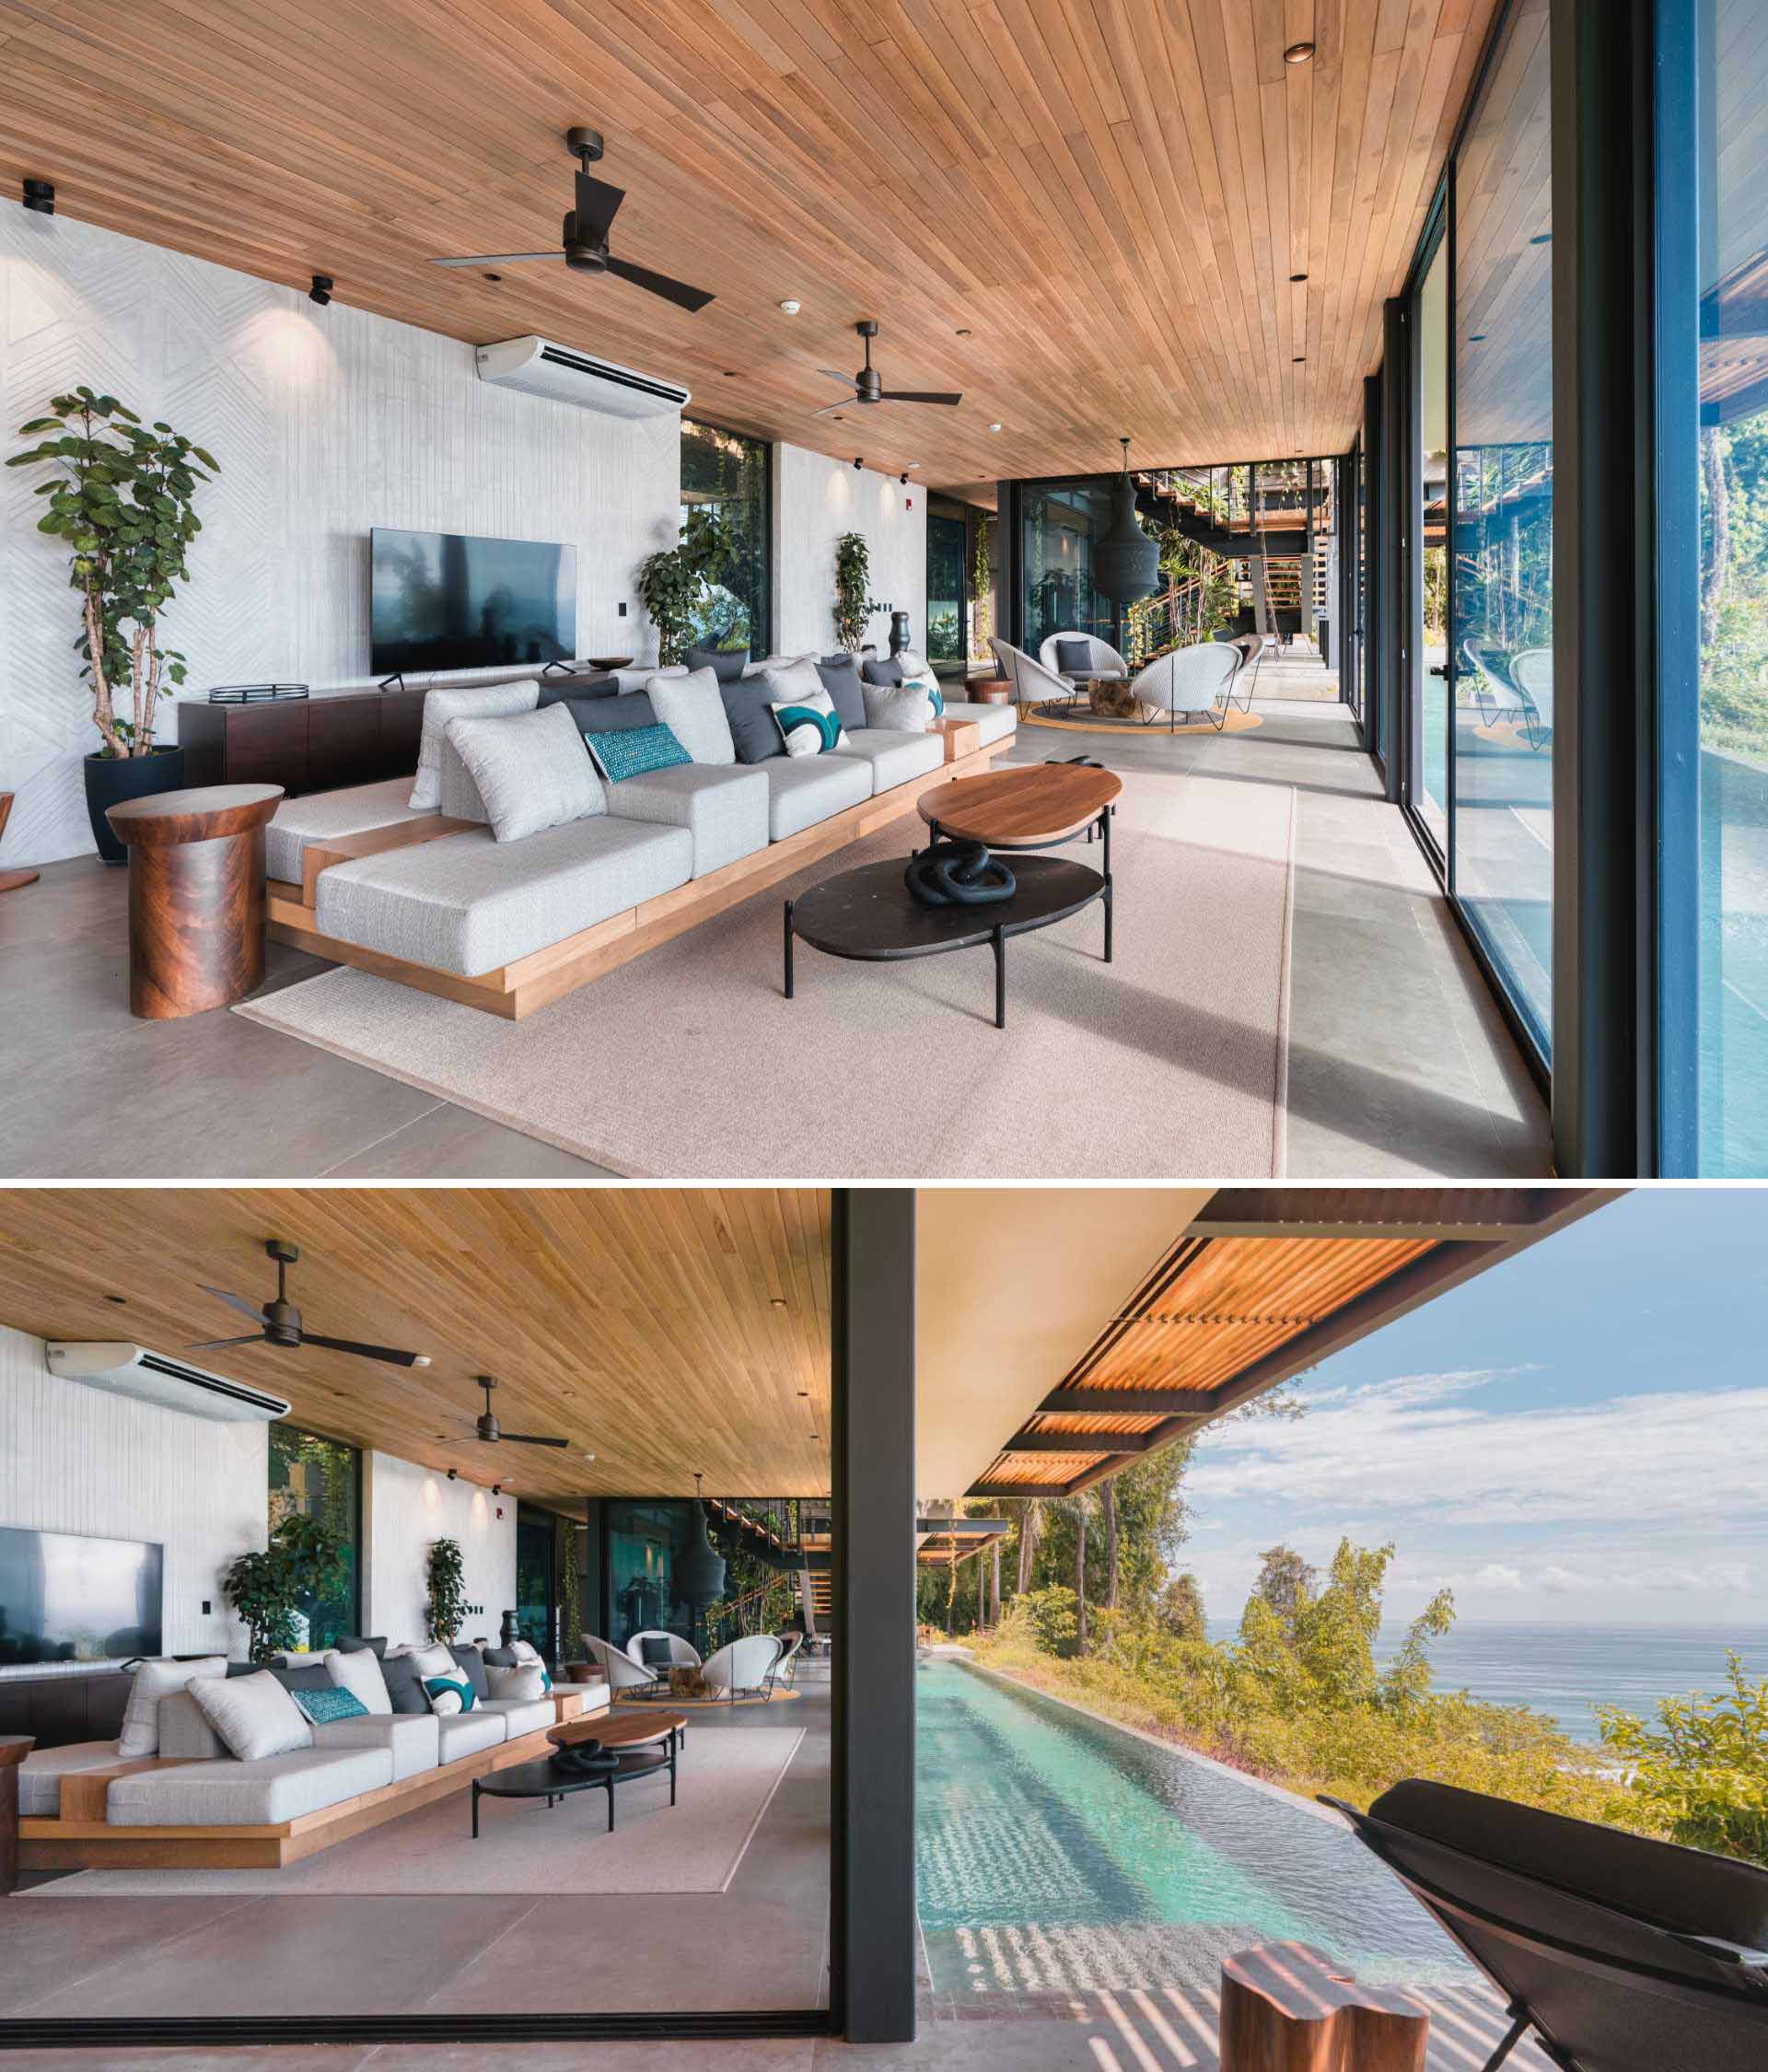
410	1738
359	1673
528	770
898	708
470	905
895	758
803	791
996	722
155	1680
258	1794
692	708
40	1775
464	700
525	1681
254	1715
185	1733
520	1716
468	1733
725	810
324	815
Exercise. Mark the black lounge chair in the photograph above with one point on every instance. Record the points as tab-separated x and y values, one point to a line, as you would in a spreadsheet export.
1622	1953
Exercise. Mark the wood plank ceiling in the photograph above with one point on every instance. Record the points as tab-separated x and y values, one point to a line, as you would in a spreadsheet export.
663	1331
1086	214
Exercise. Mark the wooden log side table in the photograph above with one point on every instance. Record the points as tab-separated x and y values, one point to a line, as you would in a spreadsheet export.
196	896
1286	2008
14	1748
10	880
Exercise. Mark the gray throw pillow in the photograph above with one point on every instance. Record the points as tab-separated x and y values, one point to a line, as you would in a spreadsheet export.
474	1663
748	710
465	701
159	1678
840	675
312	1676
899	710
525	772
692	708
726	663
610	716
376	1644
874	671
1075	658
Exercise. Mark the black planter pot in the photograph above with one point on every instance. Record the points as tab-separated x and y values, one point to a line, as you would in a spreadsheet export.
110	779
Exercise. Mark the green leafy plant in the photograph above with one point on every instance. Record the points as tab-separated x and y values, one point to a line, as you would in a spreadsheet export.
1703	1769
304	1557
123	500
853	605
982	588
445	1574
675	583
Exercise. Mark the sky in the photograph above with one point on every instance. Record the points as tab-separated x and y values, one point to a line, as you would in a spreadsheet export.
1579	1436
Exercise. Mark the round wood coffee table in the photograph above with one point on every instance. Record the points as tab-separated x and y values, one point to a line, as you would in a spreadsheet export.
1037	807
618	1729
196	896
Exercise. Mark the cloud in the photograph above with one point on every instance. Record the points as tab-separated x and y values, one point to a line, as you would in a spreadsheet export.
1496	1576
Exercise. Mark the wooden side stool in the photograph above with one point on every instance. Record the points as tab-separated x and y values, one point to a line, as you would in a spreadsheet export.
10	880
1287	2007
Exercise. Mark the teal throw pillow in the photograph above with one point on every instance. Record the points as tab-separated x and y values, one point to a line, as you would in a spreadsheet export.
435	1686
635	751
322	1707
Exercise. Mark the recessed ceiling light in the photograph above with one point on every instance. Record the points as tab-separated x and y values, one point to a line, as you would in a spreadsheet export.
964	331
1300	360
1546	238
791	308
1297	277
1473	337
993	427
730	374
420	1359
116	1298
779	1301
1298	53
588	1456
494	276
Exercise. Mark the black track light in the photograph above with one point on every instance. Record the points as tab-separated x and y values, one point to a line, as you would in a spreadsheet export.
858	463
451	1475
40	197
903	476
320	292
496	1488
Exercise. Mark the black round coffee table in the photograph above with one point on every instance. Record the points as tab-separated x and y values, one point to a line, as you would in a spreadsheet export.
557	1776
871	914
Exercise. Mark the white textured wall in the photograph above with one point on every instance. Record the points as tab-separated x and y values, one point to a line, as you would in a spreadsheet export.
325	421
407	1509
815	501
74	1460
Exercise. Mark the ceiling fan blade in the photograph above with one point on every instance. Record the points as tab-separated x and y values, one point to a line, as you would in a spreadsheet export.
388	1353
209	1344
846	380
528	1438
233	1301
834	409
678	291
597	205
496	258
920	395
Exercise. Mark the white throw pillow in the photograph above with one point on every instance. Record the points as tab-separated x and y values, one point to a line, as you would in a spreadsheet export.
253	1715
359	1673
525	1680
808	721
526	1652
155	1680
466	700
692	708
528	770
897	708
434	1660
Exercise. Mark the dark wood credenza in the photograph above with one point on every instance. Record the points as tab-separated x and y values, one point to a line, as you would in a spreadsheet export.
321	743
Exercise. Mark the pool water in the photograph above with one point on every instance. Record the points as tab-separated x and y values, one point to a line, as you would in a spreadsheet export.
1057	1854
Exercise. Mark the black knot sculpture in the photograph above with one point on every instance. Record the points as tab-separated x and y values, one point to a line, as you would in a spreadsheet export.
959	874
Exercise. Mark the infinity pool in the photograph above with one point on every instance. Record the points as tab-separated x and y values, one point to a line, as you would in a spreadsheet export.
1056	1854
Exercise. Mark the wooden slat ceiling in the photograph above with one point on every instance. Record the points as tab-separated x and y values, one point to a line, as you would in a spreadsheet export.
1084	214
663	1331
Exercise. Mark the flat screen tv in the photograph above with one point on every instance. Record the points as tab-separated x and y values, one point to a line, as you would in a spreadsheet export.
68	1597
446	600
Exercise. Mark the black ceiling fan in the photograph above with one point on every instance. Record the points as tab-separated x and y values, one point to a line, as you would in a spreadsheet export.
584	246
487	1429
869	384
279	1322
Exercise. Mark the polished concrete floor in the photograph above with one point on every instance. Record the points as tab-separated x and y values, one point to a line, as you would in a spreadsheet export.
1401	1065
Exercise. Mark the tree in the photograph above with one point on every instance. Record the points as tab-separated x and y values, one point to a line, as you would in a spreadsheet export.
1031	1510
1107	1505
1704	1768
1081	1506
302	1557
1285	1582
1182	1608
675	583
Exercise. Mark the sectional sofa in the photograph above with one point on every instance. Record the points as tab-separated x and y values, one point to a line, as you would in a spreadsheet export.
428	895
193	1804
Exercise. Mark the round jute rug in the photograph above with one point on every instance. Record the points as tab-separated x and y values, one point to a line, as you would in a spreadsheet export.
1053	715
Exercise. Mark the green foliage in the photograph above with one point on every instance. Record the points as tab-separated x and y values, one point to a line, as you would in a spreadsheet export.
676	584
122	498
304	1557
1180	1609
982	588
1050	1616
445	1574
1702	1770
854	606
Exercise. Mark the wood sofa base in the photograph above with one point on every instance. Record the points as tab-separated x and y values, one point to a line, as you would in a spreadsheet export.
518	989
74	1844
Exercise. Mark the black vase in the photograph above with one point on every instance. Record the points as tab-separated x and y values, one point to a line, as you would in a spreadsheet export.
899	632
110	779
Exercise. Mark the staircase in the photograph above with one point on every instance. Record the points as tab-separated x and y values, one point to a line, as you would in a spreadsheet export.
791	1534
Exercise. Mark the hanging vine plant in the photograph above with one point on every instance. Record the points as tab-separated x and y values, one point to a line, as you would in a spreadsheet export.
448	1580
854	606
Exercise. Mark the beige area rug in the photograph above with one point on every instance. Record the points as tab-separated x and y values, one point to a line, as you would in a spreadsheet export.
688	1062
726	1782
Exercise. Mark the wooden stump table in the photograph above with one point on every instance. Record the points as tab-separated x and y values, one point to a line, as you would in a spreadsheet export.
196	896
10	880
1286	2008
14	1748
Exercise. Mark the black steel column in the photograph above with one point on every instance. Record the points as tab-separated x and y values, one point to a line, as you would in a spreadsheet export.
873	1928
1604	517
1369	605
1391	484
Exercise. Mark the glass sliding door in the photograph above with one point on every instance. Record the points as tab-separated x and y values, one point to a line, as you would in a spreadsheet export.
725	478
320	1479
1502	492
1427	648
1058	525
948	546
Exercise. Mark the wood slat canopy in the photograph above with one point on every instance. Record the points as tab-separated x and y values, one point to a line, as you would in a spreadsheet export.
1263	1283
1091	218
663	1330
944	1543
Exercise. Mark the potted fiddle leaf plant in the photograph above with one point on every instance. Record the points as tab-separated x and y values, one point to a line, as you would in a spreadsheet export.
304	1558
122	498
854	606
446	1577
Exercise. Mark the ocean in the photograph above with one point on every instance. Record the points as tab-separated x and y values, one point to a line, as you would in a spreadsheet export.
1567	1672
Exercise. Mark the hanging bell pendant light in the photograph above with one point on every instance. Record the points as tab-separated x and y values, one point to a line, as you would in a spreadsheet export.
699	1569
1126	563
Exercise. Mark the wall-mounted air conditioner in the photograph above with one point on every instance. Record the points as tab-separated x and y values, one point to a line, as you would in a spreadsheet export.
540	368
132	1370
